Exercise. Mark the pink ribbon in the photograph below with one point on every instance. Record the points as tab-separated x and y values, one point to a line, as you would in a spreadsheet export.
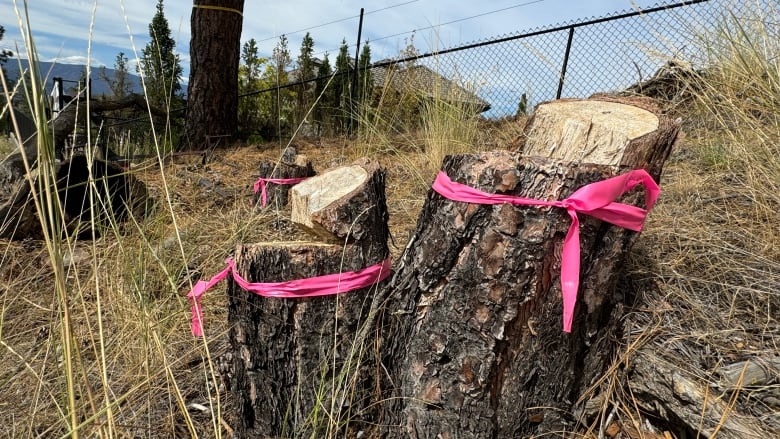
595	199
315	286
261	182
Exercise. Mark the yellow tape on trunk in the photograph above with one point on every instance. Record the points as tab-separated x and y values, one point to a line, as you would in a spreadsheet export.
218	8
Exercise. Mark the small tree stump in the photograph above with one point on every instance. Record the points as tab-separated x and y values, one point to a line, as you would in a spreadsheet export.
306	367
474	343
291	165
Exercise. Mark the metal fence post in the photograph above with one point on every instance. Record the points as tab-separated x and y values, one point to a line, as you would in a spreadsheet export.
565	63
352	106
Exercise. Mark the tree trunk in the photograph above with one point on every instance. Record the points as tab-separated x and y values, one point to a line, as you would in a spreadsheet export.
212	92
306	367
474	345
469	329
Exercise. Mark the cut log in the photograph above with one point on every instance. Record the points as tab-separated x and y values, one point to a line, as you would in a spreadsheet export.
339	205
474	343
664	391
291	165
307	367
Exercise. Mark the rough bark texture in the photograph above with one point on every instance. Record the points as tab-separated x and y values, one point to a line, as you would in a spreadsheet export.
307	367
289	167
664	391
475	345
212	92
122	194
470	335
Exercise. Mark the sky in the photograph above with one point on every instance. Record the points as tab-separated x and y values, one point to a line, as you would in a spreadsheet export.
70	31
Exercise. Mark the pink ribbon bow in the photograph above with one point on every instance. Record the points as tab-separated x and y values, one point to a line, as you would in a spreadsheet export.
315	286
261	182
595	199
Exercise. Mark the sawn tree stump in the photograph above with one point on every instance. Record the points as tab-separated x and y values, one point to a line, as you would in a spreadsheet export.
467	341
291	165
472	325
306	367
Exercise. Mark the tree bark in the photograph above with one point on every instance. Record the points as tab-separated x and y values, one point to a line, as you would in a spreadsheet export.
665	391
292	166
307	367
212	92
122	193
469	329
474	342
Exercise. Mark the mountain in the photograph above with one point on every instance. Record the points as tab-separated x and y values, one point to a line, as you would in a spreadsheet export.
70	74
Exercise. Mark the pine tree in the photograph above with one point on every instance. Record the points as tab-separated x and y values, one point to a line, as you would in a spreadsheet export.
159	63
120	82
342	83
324	107
281	100
249	81
365	81
305	72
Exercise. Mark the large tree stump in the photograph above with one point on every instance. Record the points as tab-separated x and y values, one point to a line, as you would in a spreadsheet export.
474	343
306	367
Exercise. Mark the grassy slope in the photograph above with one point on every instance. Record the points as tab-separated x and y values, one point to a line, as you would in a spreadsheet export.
711	247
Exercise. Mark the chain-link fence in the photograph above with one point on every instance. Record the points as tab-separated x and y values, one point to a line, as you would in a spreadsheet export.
512	73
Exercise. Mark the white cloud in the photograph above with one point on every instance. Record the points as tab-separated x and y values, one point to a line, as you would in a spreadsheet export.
62	28
76	59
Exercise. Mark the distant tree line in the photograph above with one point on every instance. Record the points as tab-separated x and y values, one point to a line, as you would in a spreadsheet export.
278	96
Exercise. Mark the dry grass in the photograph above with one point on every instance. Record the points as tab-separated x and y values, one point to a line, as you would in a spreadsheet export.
156	370
706	274
709	268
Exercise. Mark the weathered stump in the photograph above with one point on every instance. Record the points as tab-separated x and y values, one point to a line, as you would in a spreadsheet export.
290	166
474	343
306	367
118	195
663	391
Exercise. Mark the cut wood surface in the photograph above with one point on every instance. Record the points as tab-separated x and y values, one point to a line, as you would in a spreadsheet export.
341	204
618	131
587	131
